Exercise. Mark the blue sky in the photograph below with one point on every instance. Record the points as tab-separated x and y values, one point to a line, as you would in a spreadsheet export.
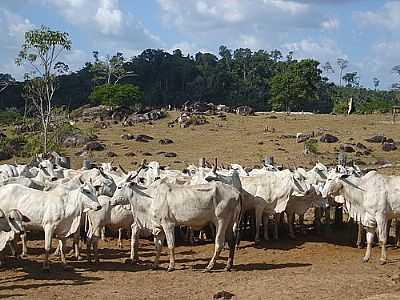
366	32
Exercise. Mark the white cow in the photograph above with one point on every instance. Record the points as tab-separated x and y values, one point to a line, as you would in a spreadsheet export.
113	216
16	221
267	193
372	199
163	206
4	224
56	212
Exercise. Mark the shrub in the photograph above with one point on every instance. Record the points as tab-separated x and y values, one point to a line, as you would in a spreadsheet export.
116	95
311	145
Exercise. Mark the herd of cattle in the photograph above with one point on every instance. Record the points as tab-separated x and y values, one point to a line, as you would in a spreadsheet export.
62	202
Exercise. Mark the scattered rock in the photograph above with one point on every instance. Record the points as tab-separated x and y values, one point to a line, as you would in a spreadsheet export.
127	136
328	138
386	146
94	146
170	154
223	295
382	162
178	162
130	154
379	138
166	141
77	140
147	154
111	154
347	148
360	162
287	136
260	143
302	137
161	153
4	155
143	138
361	146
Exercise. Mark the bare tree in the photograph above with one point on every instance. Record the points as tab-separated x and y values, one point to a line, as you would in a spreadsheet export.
40	52
343	64
376	82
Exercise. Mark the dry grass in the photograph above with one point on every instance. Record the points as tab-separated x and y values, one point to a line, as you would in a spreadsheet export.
243	140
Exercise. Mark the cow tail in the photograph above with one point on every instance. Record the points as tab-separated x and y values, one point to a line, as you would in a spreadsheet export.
238	219
84	228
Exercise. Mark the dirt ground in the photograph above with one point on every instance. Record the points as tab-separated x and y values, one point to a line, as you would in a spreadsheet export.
311	267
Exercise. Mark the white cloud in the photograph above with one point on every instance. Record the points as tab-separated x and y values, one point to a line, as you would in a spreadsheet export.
330	24
12	29
387	17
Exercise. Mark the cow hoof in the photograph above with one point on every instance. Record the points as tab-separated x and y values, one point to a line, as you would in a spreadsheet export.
366	259
359	246
155	267
170	269
23	255
207	270
228	269
382	262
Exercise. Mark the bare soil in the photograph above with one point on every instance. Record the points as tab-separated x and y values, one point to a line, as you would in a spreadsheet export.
311	267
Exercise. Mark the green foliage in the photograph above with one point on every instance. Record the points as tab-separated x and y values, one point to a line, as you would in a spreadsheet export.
375	105
296	86
311	145
340	107
116	95
8	117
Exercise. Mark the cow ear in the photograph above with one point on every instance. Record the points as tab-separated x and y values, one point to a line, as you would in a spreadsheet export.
25	219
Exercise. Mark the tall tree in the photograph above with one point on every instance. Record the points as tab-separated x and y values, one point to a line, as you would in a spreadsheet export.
376	82
327	67
343	64
40	52
352	79
109	70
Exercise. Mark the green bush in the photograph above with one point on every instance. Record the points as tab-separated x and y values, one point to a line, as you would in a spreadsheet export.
116	95
375	105
311	145
340	107
9	117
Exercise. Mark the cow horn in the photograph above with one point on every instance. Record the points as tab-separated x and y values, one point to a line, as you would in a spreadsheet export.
80	180
122	169
130	178
214	170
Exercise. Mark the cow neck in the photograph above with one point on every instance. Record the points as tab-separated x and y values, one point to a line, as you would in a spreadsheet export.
353	196
73	203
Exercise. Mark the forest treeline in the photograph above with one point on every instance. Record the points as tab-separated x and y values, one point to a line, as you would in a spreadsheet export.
261	79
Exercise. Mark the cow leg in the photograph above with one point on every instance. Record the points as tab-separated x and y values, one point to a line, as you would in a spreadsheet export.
382	235
24	245
120	238
103	233
370	240
359	236
169	231
397	238
265	221
212	230
95	249
231	242
13	247
290	217
259	213
158	243
61	244
76	247
219	244
134	244
301	222
48	236
89	249
276	219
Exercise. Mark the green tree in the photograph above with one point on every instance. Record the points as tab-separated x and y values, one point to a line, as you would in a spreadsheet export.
376	82
40	52
297	86
352	79
116	95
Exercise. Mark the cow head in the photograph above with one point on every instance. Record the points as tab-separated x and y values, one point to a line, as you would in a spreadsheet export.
16	220
4	224
334	183
124	191
47	167
300	184
233	180
89	196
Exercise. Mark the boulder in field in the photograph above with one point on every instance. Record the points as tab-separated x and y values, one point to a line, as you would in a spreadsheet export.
130	154
94	146
147	154
4	155
111	154
347	148
170	154
328	138
388	147
143	138
379	139
166	141
302	137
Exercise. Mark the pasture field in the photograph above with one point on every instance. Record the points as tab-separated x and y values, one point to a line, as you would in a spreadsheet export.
325	266
244	140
